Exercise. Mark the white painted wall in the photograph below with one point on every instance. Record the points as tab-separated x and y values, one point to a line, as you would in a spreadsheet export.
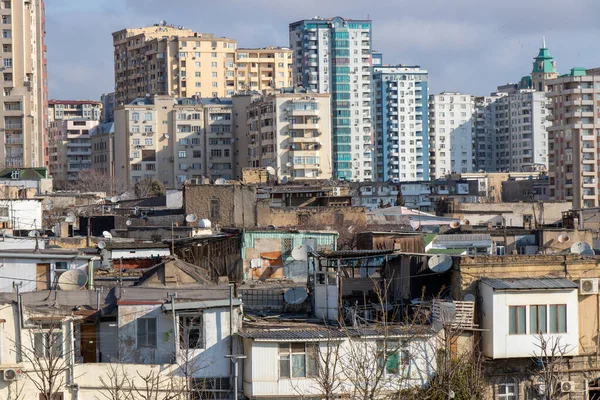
24	270
25	214
261	369
496	341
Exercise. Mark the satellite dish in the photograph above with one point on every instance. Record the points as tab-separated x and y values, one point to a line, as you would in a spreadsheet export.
469	297
107	235
300	253
440	263
128	222
454	224
101	245
74	279
33	234
166	136
331	182
220	181
563	238
296	295
289	164
70	219
284	180
271	170
190	218
581	248
367	272
114	199
465	222
205	223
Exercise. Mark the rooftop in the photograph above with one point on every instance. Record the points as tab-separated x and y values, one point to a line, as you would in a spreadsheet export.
529	284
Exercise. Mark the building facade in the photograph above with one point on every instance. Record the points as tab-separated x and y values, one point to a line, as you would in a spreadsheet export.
259	69
291	132
24	114
401	131
108	107
103	149
334	56
70	149
451	133
172	140
59	110
573	149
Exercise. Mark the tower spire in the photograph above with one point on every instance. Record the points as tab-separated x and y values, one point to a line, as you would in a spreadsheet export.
543	42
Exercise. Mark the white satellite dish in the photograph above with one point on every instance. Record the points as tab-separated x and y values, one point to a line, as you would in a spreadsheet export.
300	253
588	252
454	224
70	219
107	235
221	181
581	247
440	263
296	295
101	245
74	279
469	297
114	199
205	223
270	170
289	164
465	222
284	180
33	234
128	222
331	182
191	218
166	136
563	238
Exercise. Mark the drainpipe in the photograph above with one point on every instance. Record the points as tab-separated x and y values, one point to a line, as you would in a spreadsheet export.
74	386
20	321
172	297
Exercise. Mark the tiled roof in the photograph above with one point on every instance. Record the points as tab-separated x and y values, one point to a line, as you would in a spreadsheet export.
530	283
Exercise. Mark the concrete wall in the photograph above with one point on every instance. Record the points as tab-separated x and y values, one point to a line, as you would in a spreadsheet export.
237	204
24	270
311	216
547	213
23	214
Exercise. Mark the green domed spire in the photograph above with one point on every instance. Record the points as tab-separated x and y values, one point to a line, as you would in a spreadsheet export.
544	62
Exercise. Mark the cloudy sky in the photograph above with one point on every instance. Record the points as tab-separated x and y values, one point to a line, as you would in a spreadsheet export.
466	45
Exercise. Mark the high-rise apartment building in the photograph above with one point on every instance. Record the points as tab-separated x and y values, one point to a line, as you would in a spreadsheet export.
488	151
334	56
291	132
574	152
171	140
70	150
451	133
174	61
108	107
401	125
23	114
59	110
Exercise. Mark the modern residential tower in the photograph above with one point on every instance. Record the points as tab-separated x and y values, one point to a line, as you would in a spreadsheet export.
334	56
401	125
23	114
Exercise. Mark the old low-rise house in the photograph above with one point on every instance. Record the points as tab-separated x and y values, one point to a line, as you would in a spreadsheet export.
169	332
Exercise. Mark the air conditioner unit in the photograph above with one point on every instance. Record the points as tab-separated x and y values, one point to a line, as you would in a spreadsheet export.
567	386
11	374
588	286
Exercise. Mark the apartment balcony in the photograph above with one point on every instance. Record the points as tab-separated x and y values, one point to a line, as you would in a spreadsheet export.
303	139
589	182
13	141
14	162
589	160
296	125
313	63
310	113
78	152
13	126
588	149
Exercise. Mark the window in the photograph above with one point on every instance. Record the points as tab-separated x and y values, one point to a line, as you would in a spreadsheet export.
537	320
7	63
148	142
197	74
214	65
182	154
135	129
146	332
395	358
49	343
136	142
215	212
506	389
558	318
516	323
297	360
148	116
214	74
135	116
191	332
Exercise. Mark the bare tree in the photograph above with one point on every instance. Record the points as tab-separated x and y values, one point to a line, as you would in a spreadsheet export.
157	386
92	181
48	352
117	384
148	187
328	367
550	356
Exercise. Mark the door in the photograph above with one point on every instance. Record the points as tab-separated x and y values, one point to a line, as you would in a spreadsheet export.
42	276
88	342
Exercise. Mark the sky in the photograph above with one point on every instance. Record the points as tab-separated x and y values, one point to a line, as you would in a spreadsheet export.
470	46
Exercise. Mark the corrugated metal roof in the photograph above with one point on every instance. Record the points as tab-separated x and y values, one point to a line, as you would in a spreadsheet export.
462	240
530	283
355	253
321	333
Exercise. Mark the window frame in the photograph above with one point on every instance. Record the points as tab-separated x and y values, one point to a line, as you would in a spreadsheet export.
197	325
534	311
148	343
46	349
556	326
518	331
289	351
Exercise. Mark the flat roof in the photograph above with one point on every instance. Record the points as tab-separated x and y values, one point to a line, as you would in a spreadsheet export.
530	284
